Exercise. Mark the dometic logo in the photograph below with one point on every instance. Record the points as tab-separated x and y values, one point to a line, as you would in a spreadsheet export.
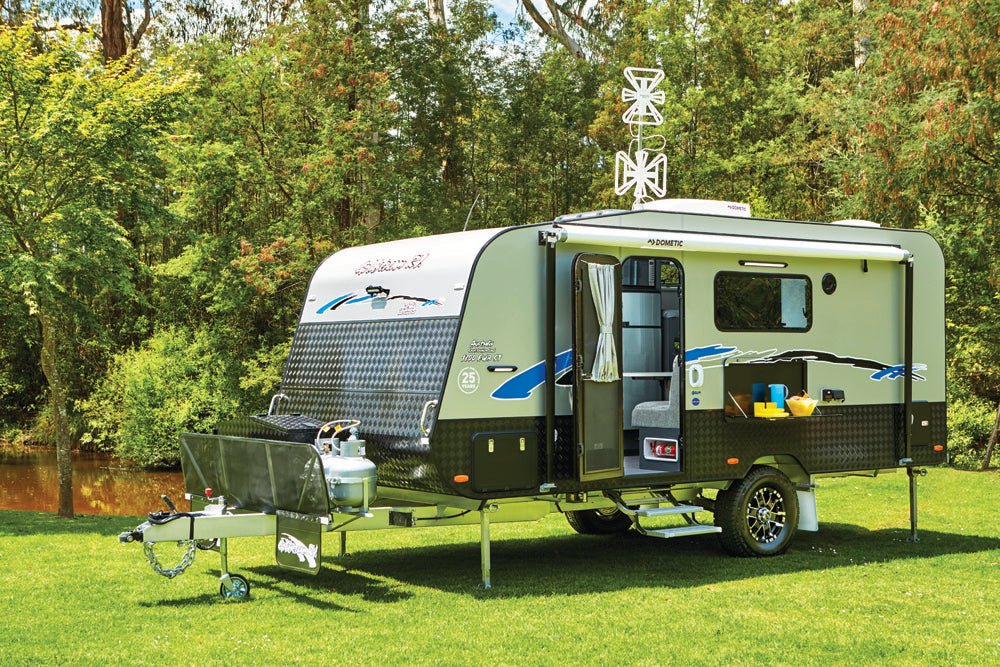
289	544
667	243
387	265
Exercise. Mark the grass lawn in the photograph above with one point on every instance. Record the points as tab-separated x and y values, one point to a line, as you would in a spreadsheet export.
856	592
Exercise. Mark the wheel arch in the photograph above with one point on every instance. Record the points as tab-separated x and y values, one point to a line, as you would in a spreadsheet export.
787	464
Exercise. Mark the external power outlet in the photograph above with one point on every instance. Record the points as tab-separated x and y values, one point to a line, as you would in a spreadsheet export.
833	396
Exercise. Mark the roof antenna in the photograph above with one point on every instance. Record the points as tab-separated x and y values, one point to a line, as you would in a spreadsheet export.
471	208
648	172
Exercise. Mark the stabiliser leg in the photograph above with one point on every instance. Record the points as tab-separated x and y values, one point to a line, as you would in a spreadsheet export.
343	544
913	473
484	547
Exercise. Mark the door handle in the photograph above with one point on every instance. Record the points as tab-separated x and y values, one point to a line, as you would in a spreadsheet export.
423	417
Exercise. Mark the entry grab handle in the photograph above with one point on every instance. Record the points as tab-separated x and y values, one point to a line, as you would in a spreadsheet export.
423	417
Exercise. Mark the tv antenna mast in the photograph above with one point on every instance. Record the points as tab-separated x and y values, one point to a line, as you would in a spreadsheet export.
646	174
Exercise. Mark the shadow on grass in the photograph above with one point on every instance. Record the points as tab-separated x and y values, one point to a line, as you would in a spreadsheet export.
204	598
577	564
340	581
302	588
567	564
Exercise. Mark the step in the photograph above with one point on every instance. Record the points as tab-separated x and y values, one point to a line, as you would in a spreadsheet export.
669	511
682	531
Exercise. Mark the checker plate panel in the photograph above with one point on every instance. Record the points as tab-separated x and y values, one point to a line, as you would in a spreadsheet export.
863	437
381	373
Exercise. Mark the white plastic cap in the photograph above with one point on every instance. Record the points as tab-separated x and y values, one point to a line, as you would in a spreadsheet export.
705	206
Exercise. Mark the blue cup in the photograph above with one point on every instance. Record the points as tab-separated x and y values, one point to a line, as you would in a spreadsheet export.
759	392
779	393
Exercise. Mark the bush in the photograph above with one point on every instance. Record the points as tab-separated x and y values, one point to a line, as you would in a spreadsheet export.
262	375
970	421
174	383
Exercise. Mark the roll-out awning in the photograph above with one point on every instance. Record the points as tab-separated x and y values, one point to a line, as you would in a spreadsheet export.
666	241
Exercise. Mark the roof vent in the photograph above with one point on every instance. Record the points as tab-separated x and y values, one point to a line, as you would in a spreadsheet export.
856	223
703	206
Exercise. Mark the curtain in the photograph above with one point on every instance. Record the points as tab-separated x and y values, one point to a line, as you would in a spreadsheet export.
602	289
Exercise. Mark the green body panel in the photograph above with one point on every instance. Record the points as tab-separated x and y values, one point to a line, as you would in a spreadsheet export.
505	310
504	316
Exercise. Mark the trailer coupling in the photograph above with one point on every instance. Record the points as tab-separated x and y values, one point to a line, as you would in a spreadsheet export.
130	536
148	534
209	529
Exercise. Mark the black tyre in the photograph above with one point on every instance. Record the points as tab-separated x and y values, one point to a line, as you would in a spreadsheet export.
599	522
758	514
241	588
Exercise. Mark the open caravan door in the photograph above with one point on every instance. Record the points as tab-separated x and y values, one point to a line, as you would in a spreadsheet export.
597	380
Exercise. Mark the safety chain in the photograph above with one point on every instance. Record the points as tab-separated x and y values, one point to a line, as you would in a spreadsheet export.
172	572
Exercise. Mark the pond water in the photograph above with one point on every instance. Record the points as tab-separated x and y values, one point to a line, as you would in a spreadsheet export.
29	480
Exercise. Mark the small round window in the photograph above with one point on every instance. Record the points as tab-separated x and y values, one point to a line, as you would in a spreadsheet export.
829	283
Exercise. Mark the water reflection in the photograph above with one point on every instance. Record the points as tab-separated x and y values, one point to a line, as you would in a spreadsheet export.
29	480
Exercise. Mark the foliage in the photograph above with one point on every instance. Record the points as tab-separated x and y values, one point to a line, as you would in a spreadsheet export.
174	383
77	161
970	421
21	383
77	168
262	374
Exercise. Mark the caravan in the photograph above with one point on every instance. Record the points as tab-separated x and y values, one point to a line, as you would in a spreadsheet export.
615	366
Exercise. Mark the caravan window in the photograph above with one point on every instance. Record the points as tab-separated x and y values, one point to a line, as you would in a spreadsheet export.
762	302
640	273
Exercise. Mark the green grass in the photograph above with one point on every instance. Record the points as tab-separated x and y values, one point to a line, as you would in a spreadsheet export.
856	592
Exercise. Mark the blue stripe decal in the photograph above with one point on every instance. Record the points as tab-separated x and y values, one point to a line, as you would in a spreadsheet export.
697	353
325	307
521	385
896	372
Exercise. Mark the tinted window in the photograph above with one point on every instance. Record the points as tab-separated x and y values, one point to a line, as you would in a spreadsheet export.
762	302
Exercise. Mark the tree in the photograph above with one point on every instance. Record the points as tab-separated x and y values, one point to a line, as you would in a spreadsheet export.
67	124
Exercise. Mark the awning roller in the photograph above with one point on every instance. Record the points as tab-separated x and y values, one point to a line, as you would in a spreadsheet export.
667	241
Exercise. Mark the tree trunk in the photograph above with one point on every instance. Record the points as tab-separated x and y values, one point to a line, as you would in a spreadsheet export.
553	29
435	11
57	403
113	37
861	41
993	440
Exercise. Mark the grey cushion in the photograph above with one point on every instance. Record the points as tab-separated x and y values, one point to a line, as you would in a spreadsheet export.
656	414
661	414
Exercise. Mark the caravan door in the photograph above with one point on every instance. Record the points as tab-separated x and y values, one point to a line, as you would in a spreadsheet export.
597	363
